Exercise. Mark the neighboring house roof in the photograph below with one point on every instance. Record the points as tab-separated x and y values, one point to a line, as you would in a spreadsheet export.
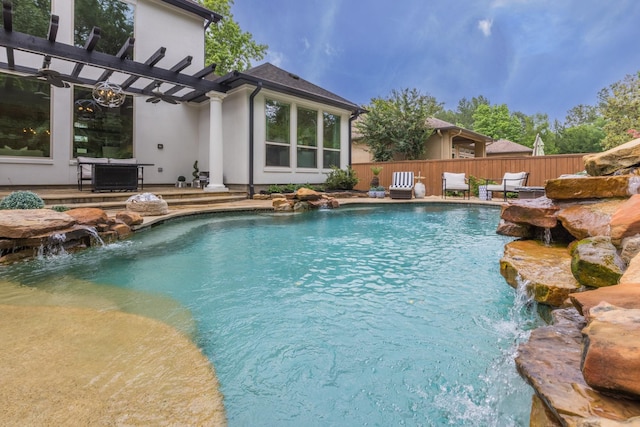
504	146
283	81
438	124
195	8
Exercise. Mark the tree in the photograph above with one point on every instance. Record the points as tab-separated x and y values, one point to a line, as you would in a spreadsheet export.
463	115
397	125
31	16
115	19
497	122
584	138
620	107
226	44
581	115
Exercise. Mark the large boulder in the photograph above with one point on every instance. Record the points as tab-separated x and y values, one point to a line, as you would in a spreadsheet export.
624	296
632	273
618	158
595	262
540	212
625	222
545	269
23	223
589	219
89	216
508	228
599	187
550	362
611	354
307	194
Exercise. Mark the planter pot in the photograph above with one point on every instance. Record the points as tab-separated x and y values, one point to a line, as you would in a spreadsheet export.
419	190
380	194
372	194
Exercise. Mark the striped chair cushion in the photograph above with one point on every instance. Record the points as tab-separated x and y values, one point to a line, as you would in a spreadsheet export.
402	180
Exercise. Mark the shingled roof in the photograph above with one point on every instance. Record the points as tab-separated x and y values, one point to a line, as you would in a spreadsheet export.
504	146
281	80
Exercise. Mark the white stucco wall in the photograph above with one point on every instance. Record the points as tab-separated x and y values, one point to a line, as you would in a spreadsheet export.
178	127
237	140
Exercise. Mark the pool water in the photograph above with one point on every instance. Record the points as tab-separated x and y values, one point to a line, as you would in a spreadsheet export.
377	316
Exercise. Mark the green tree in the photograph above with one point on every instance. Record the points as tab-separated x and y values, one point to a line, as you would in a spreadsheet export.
397	125
620	106
581	115
113	17
31	16
583	138
497	122
463	115
226	44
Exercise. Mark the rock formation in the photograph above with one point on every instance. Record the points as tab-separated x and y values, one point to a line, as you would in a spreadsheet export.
584	366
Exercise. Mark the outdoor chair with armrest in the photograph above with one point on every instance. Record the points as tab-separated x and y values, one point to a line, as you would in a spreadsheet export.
455	182
401	185
510	182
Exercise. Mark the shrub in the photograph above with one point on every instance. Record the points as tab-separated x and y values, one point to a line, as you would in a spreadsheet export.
22	200
59	208
339	179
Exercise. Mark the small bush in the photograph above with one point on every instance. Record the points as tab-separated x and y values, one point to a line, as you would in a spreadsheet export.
22	200
59	208
339	179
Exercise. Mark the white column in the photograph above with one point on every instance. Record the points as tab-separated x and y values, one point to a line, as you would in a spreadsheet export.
215	143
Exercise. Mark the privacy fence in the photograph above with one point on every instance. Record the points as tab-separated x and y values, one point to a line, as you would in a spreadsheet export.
540	169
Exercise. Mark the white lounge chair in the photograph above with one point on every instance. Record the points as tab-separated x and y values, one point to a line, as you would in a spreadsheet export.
509	183
401	185
455	182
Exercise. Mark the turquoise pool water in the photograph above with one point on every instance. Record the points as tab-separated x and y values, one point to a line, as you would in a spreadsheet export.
356	316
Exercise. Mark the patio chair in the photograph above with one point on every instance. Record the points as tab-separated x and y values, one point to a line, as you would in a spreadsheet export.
401	185
509	184
455	182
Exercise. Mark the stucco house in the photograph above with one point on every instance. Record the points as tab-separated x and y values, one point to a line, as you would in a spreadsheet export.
447	141
258	127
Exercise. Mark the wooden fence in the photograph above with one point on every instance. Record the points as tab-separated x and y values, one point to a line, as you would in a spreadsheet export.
540	169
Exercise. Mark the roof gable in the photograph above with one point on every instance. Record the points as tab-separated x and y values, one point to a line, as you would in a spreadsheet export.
506	146
283	81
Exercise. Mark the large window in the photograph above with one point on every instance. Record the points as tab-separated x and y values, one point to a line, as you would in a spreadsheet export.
307	141
24	117
100	131
331	140
114	17
278	119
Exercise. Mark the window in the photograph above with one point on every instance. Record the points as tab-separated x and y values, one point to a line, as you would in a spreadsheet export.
278	119
114	17
32	17
307	138
24	117
331	140
101	131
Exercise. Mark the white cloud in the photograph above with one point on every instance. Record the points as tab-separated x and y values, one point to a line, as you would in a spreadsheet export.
485	25
274	57
305	42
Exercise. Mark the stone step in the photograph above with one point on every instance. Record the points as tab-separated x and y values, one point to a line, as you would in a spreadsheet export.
120	203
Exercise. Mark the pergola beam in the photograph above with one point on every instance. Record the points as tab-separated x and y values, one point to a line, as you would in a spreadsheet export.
53	28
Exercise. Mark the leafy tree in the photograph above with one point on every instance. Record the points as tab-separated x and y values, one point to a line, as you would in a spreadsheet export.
620	107
114	17
397	125
497	122
226	44
31	16
463	115
583	138
536	124
581	115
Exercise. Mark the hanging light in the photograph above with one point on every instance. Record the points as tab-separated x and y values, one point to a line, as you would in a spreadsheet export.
108	94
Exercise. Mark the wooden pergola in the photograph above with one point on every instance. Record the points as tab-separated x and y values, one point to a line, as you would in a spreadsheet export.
140	78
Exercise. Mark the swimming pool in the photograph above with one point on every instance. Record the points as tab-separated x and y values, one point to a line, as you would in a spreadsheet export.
392	315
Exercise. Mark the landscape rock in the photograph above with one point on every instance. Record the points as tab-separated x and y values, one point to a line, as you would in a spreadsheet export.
608	162
589	219
307	194
88	216
540	212
632	273
598	187
595	262
550	362
122	229
281	204
130	218
611	355
624	296
625	222
545	270
508	228
22	223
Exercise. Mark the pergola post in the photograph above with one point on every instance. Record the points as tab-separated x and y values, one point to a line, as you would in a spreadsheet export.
215	143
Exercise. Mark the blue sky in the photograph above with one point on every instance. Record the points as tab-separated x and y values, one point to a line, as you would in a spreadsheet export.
536	56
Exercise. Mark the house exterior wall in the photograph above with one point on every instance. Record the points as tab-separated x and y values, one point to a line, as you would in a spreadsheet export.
236	140
178	127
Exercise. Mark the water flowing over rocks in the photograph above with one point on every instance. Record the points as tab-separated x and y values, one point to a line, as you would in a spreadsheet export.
27	233
303	199
584	366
